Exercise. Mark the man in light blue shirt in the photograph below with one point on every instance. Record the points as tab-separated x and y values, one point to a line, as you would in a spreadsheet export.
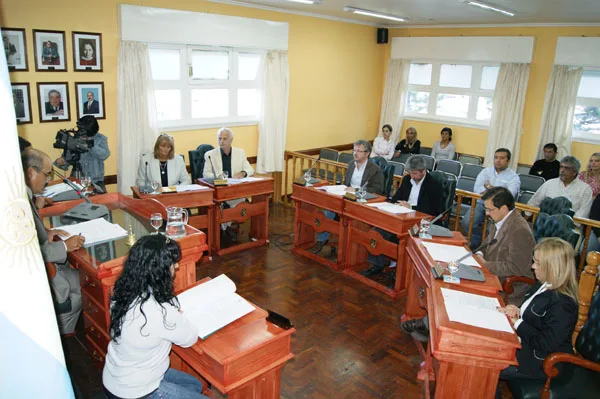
499	175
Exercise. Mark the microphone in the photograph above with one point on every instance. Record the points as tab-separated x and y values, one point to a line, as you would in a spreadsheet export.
313	165
77	191
212	166
438	217
146	188
481	247
86	210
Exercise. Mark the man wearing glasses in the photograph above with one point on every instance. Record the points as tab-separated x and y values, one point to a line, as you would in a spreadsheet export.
66	290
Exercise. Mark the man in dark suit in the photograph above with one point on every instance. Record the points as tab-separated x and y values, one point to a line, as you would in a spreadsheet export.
91	106
418	191
360	173
54	105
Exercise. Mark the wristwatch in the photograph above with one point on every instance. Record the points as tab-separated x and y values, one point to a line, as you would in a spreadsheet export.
245	173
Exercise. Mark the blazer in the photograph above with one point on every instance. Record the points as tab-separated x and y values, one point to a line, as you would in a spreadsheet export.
176	171
401	146
430	196
239	162
92	109
373	176
50	109
51	251
547	326
511	254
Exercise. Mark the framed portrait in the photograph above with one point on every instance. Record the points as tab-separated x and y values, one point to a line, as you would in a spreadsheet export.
87	51
49	46
22	102
15	48
53	100
90	99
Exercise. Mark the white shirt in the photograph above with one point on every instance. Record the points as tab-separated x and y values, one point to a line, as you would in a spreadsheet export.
525	304
413	197
507	178
501	222
137	362
440	153
577	191
357	175
383	148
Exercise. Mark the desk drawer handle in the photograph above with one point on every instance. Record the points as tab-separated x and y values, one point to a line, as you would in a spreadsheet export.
90	282
421	292
317	222
373	243
244	211
96	356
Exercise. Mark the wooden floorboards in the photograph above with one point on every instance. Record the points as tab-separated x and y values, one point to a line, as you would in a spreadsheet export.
348	342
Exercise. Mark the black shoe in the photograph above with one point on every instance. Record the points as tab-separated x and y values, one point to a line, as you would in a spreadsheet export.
416	325
318	247
229	232
372	271
419	336
333	253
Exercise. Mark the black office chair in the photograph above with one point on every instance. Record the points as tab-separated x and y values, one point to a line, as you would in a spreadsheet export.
425	150
345	157
448	192
197	160
560	225
471	170
398	168
530	182
402	158
556	206
449	166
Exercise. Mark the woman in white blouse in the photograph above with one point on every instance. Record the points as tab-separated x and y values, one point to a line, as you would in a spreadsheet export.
546	319
383	146
444	149
163	165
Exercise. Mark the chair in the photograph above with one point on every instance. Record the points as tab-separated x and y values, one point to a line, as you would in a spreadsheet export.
425	151
471	170
345	157
429	161
448	183
530	182
523	169
580	376
472	159
402	158
465	184
380	161
448	166
560	225
197	160
523	197
556	206
388	180
398	168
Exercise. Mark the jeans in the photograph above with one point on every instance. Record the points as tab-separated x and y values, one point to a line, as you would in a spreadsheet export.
178	385
478	220
324	236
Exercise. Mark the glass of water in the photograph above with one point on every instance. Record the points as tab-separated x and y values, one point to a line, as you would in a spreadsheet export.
307	178
86	181
156	220
361	193
452	268
224	175
425	223
155	186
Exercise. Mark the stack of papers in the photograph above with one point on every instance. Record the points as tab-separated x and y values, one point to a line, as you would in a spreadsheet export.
339	189
449	253
189	187
391	208
51	191
95	231
243	180
475	310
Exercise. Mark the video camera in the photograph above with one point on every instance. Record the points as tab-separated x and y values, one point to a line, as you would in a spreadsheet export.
80	140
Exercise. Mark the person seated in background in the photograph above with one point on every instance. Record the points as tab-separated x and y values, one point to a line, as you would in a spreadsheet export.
409	145
420	192
444	149
549	166
383	146
162	165
567	185
591	176
227	161
66	291
360	173
547	316
145	320
593	243
499	175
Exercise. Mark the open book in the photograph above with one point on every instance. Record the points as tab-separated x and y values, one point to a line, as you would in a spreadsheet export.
212	305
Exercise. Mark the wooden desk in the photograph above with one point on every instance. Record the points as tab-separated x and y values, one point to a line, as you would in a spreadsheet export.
359	220
309	219
257	211
464	360
243	360
98	275
201	199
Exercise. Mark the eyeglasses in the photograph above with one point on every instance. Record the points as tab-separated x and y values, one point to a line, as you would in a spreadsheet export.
534	260
489	210
359	151
48	175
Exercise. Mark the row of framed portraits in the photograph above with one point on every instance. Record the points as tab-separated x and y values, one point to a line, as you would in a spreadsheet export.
54	103
50	50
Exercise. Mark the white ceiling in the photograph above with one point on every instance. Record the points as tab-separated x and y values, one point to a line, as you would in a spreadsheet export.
447	12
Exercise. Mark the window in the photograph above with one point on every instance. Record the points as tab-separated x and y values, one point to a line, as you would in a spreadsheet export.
203	86
459	93
586	121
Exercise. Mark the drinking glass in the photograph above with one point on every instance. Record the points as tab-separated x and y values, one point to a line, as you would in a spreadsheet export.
224	175
156	220
361	193
425	223
307	177
155	186
86	180
452	268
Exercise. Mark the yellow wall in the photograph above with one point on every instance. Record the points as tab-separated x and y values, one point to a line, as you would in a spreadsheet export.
473	141
336	73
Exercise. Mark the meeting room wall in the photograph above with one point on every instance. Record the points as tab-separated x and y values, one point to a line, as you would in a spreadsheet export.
336	73
473	140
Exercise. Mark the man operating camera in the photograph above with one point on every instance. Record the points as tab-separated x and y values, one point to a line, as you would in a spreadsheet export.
85	149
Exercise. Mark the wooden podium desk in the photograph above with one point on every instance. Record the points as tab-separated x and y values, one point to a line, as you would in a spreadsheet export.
243	360
201	199
464	360
361	239
257	211
100	265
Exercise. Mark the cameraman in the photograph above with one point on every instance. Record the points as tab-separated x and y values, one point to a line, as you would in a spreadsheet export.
92	161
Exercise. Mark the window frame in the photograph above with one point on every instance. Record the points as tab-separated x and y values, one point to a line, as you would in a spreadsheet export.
585	137
474	92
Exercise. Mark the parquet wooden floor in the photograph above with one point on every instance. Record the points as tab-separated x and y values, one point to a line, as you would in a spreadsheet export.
348	343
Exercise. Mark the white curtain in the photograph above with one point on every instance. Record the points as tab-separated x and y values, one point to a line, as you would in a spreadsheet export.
394	96
272	125
559	107
506	124
137	126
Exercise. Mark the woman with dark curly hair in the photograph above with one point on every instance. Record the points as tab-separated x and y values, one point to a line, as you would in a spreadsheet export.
145	321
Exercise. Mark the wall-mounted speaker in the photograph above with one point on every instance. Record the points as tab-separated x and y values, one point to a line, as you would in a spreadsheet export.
382	35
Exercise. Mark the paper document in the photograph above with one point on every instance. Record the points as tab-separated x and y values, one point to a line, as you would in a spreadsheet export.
190	187
232	180
391	208
51	191
475	310
95	231
339	189
449	253
213	305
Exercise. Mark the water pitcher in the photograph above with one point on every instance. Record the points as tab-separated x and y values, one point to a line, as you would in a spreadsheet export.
177	218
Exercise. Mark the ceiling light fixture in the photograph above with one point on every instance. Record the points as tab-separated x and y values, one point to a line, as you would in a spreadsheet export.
490	7
374	14
303	1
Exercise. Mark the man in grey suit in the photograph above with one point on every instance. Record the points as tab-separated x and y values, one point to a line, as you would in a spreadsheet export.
360	173
66	290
